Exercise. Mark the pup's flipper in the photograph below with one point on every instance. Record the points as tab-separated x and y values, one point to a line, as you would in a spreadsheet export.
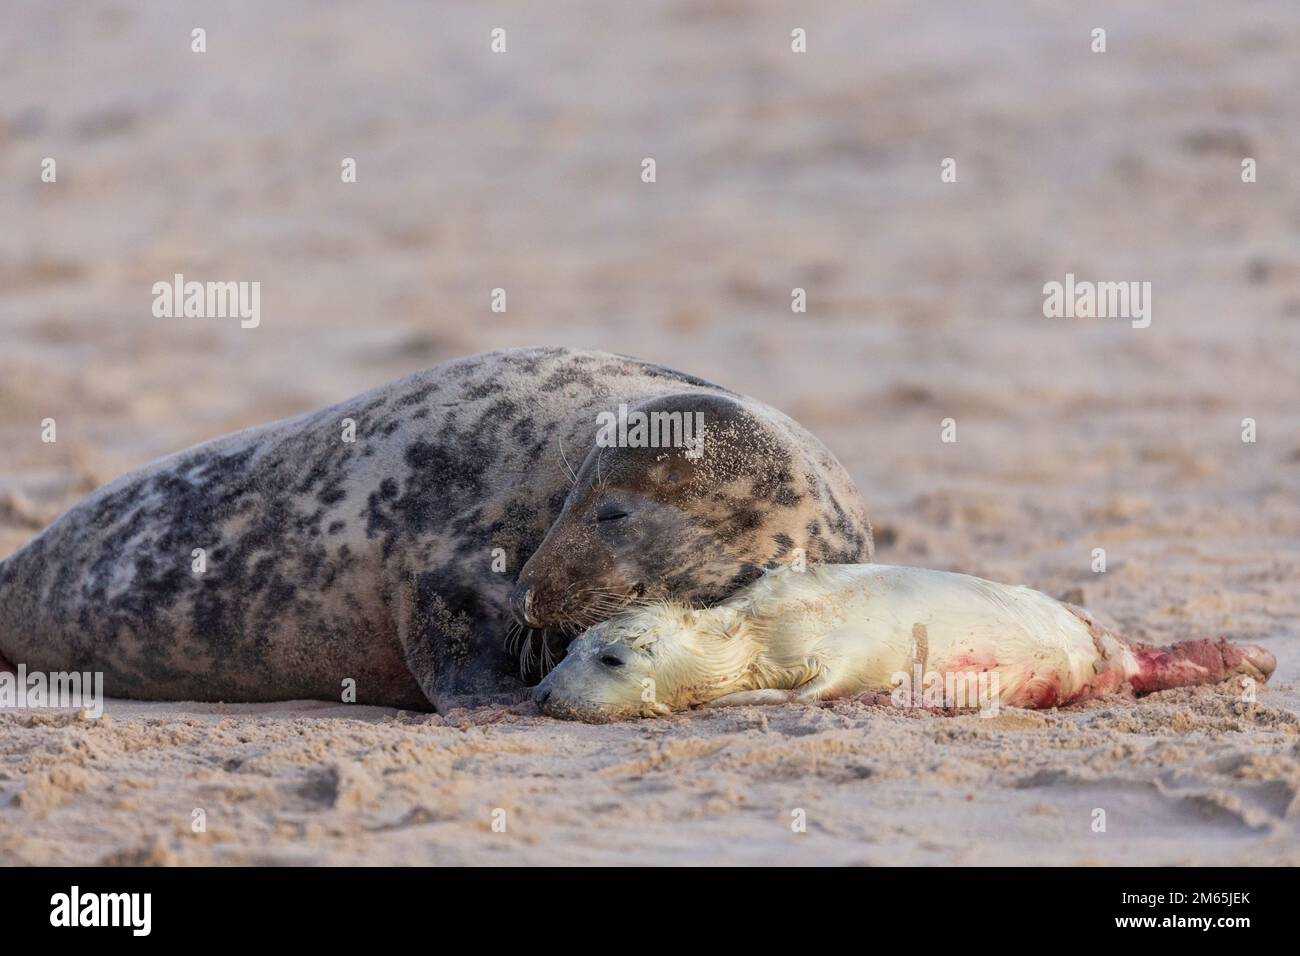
1205	661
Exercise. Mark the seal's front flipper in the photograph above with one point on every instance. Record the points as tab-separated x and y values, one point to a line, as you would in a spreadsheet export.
746	698
486	678
821	686
458	660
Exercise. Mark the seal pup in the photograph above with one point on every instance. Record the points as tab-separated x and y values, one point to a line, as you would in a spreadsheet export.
378	542
843	631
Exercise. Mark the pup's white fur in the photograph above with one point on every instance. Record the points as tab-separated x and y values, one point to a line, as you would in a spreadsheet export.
840	631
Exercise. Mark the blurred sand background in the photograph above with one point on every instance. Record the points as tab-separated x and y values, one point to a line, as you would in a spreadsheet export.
775	170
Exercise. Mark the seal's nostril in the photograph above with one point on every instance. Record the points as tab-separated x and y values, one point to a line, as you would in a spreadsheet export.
529	618
523	604
540	697
528	610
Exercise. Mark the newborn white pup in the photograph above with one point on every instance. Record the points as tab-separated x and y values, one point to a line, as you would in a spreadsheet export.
930	638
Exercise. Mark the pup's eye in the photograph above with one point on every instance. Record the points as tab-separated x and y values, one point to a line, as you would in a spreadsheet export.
610	514
609	660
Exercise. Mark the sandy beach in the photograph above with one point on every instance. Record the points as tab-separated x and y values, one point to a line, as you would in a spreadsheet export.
775	171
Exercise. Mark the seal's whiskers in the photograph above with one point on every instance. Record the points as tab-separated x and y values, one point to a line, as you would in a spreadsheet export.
573	476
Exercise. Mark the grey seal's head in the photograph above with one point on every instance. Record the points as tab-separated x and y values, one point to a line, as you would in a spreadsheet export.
692	521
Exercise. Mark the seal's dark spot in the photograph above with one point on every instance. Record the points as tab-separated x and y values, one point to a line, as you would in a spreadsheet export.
415	397
332	495
521	432
786	497
483	390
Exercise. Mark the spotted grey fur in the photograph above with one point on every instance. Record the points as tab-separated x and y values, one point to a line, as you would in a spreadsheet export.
374	560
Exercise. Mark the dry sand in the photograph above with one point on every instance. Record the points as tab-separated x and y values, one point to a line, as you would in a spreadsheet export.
775	171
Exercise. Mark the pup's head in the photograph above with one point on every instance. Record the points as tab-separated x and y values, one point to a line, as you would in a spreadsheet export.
648	662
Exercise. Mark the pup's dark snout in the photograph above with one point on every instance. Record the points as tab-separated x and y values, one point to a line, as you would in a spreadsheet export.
541	695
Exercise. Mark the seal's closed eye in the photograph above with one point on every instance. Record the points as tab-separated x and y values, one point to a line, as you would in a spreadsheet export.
609	660
610	513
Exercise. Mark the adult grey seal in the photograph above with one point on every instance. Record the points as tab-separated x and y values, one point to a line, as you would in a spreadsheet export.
282	561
